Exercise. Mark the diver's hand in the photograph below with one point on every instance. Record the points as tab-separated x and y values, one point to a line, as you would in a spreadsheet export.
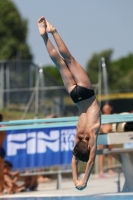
76	182
80	185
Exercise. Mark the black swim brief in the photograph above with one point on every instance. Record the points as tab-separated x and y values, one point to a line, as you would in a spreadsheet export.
80	93
2	153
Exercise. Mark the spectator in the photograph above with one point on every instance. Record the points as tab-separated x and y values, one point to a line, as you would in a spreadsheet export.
30	182
10	184
53	115
14	175
2	155
107	109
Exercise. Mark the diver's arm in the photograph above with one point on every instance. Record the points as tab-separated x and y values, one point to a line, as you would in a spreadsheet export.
75	163
75	169
90	163
89	166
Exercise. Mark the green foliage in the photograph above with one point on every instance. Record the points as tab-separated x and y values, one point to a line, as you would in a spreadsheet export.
13	32
122	74
120	71
92	67
15	113
53	72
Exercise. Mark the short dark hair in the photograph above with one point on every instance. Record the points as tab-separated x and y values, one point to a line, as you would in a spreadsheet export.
7	164
81	151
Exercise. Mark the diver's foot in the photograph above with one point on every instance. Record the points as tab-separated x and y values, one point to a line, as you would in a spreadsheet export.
50	28
42	25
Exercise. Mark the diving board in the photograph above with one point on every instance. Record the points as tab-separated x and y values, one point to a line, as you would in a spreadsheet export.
115	138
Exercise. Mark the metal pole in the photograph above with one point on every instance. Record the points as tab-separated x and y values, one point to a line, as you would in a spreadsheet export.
28	105
7	86
1	86
99	83
42	92
105	78
59	181
36	96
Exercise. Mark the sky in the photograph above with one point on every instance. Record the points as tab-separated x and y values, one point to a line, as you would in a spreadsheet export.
86	26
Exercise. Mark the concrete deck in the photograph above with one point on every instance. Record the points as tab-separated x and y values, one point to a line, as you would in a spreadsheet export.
95	186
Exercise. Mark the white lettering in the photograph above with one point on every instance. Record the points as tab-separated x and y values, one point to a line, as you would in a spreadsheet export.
31	143
13	141
67	139
64	146
39	142
44	141
71	142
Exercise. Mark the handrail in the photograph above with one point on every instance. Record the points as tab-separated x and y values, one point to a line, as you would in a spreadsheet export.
33	121
37	126
60	122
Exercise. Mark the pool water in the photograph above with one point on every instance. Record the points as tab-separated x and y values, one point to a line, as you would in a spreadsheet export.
104	197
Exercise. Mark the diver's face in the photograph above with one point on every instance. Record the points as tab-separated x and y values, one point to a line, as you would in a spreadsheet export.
86	140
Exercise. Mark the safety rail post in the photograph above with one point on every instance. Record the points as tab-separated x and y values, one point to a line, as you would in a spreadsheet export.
59	180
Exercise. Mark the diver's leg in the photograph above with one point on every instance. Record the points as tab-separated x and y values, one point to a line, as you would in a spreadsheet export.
110	162
66	74
78	73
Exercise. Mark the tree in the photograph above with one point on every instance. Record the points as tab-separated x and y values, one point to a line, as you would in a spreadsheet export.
122	74
92	67
53	72
13	32
120	71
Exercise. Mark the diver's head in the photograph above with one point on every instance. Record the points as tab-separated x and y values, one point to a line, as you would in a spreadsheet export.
81	151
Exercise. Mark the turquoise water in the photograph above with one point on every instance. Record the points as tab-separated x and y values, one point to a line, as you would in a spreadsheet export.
118	197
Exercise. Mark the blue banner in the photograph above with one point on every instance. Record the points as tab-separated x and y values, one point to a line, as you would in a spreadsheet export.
42	147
